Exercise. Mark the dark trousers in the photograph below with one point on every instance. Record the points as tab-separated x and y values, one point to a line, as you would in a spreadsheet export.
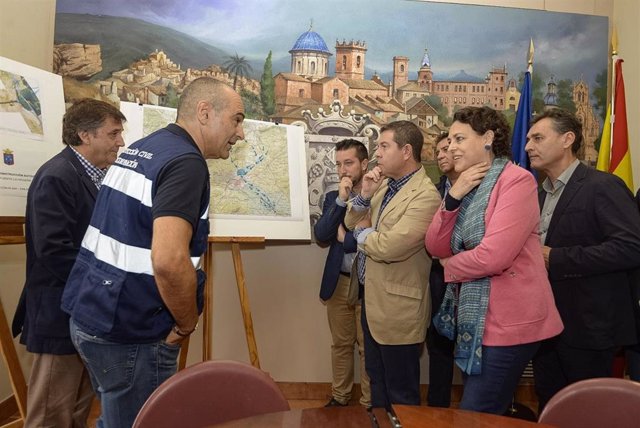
440	348
394	370
633	362
557	365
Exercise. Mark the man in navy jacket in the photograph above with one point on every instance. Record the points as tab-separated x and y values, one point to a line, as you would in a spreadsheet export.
343	307
440	347
60	201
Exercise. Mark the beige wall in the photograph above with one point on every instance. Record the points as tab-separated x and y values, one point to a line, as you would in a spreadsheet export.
26	31
290	323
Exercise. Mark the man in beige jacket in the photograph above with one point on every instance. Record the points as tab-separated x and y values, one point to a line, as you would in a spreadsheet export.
390	217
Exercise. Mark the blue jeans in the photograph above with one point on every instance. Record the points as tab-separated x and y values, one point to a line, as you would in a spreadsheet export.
123	375
492	390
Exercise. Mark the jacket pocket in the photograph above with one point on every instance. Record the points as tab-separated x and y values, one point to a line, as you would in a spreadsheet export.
98	297
404	290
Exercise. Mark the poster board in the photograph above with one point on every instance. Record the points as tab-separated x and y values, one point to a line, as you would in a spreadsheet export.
261	190
31	110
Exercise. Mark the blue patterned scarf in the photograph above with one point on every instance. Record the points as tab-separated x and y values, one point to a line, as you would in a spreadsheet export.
469	299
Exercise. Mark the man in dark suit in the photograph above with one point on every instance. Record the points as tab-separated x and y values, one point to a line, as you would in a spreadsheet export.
440	348
343	311
590	232
633	352
60	201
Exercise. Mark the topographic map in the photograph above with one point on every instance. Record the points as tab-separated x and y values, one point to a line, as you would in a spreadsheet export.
255	179
154	118
260	190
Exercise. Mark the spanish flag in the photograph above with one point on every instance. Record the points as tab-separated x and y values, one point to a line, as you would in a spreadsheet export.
614	155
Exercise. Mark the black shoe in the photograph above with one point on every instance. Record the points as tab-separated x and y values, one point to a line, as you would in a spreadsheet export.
334	403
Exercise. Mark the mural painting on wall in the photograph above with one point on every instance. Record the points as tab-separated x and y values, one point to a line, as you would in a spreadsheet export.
428	61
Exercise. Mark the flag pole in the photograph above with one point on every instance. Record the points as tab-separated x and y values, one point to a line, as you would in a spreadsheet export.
523	117
530	57
612	119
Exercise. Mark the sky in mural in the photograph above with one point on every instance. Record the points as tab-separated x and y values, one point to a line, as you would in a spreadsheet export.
459	37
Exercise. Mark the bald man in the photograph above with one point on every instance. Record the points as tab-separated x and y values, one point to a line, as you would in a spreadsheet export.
136	289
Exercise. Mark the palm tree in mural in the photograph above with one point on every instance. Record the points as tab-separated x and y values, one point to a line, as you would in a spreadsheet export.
237	66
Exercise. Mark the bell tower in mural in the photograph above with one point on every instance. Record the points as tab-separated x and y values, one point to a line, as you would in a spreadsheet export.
350	59
425	75
400	73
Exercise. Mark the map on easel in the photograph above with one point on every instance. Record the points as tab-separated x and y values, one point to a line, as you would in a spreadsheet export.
31	110
255	180
261	190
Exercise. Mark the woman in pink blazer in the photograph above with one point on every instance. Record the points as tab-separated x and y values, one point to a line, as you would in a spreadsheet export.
498	305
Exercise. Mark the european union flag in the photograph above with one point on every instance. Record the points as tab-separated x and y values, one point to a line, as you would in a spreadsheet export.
521	125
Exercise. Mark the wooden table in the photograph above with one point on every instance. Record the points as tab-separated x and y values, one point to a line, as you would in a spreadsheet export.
433	417
338	417
358	417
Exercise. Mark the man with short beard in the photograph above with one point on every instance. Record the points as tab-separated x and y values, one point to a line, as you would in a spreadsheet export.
343	308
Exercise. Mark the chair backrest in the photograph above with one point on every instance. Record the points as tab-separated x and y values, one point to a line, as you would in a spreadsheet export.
595	403
208	393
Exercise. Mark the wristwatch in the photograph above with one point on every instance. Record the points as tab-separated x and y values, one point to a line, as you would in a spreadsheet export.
181	333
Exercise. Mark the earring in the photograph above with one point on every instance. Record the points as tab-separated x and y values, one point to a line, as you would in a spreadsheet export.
487	147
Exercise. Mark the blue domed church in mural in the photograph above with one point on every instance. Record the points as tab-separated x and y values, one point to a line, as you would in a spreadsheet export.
310	56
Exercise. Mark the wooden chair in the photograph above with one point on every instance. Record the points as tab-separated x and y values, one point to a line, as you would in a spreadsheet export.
209	393
595	403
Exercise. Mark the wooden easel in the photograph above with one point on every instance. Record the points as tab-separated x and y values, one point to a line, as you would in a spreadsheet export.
12	232
242	292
